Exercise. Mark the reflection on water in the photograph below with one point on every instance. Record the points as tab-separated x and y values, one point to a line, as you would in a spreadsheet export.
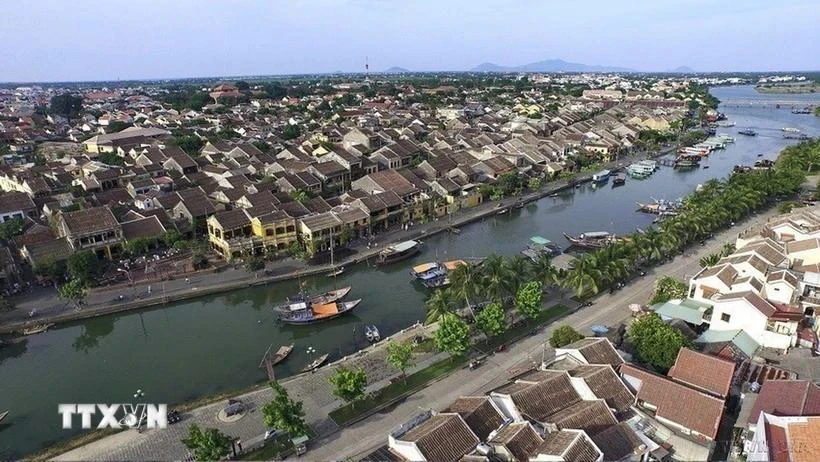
93	331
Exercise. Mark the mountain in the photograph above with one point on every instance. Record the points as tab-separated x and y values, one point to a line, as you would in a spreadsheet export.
549	65
396	70
683	70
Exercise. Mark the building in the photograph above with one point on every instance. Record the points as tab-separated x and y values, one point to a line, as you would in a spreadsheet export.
17	205
94	229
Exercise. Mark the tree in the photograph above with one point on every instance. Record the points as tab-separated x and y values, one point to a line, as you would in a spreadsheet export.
510	183
263	146
191	144
668	288
207	444
490	320
11	228
497	278
110	158
291	132
464	282
349	384
75	291
563	336
709	260
300	195
528	300
452	335
440	303
50	269
254	263
66	105
171	237
656	343
400	356
138	246
83	266
283	413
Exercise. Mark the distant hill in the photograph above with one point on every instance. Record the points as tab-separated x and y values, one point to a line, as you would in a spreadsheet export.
396	70
683	70
549	65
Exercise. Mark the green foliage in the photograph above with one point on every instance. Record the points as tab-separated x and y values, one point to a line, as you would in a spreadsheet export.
115	126
74	291
51	269
111	158
656	342
189	98
66	105
83	266
440	303
171	237
710	260
668	288
301	195
533	184
275	90
9	229
207	444
563	336
138	246
788	206
290	132
191	144
490	320
283	413
263	146
452	335
349	384
510	183
400	356
254	263
528	300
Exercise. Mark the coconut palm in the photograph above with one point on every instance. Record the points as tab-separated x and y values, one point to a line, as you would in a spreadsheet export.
441	302
709	260
544	272
497	278
464	282
520	268
584	277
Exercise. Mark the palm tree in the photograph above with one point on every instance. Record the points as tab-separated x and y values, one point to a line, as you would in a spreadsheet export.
709	260
496	277
442	301
464	283
584	277
544	271
521	270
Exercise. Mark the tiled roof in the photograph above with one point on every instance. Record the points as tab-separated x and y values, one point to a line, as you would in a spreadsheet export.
90	220
618	442
605	383
14	201
596	351
541	399
232	219
570	445
479	413
444	437
148	227
706	372
592	416
755	300
519	438
787	398
676	402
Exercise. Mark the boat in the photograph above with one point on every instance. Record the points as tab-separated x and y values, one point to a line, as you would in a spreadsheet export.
442	278
640	170
592	240
36	329
3	415
660	207
725	124
315	364
326	297
502	211
796	136
601	176
687	161
454	230
308	313
790	130
519	205
397	252
539	246
747	132
337	271
427	271
619	180
281	354
372	333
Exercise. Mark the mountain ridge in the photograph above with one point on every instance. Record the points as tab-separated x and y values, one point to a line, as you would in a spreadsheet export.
549	65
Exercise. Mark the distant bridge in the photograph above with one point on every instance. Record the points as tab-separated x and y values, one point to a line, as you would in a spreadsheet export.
784	103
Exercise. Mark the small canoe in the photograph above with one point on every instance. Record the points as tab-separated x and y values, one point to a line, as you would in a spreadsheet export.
339	270
281	354
36	329
315	364
3	415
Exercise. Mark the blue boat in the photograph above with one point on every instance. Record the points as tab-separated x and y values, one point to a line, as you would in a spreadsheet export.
308	313
601	176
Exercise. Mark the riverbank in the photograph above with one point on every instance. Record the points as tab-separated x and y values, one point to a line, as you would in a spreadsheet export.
788	89
102	302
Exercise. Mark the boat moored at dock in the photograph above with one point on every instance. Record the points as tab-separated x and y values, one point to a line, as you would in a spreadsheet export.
398	252
601	176
619	179
305	313
326	297
592	240
540	246
747	132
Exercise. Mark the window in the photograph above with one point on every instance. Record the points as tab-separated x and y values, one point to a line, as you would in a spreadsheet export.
725	317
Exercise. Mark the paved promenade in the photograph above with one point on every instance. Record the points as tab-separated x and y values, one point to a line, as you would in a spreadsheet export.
364	436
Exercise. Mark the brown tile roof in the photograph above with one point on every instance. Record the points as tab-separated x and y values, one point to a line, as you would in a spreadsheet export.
803	441
726	273
520	439
592	416
443	437
706	372
14	201
618	442
800	246
787	398
784	275
605	383
570	445
90	220
148	227
539	400
676	402
196	202
596	351
232	219
50	250
479	413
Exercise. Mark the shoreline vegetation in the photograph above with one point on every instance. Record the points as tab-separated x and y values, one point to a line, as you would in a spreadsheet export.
789	89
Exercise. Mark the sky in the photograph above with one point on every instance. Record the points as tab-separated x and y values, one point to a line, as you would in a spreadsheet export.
59	40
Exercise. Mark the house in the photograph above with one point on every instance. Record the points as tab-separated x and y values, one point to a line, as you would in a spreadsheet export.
229	233
591	351
785	398
772	326
17	204
128	137
441	437
686	409
317	230
386	180
784	438
703	372
94	229
479	413
516	441
567	446
621	443
192	204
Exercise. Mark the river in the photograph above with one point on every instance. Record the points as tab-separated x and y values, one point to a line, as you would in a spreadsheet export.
200	347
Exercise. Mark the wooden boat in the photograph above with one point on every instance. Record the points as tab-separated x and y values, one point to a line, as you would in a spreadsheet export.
619	179
372	333
3	415
601	176
36	329
398	252
281	354
454	230
337	271
326	297
308	313
592	240
315	364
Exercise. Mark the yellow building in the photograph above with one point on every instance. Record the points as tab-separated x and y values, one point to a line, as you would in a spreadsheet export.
234	234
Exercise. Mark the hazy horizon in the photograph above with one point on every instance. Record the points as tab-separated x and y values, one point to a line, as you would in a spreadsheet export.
54	41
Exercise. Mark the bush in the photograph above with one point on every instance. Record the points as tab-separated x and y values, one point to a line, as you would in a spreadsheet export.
563	336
